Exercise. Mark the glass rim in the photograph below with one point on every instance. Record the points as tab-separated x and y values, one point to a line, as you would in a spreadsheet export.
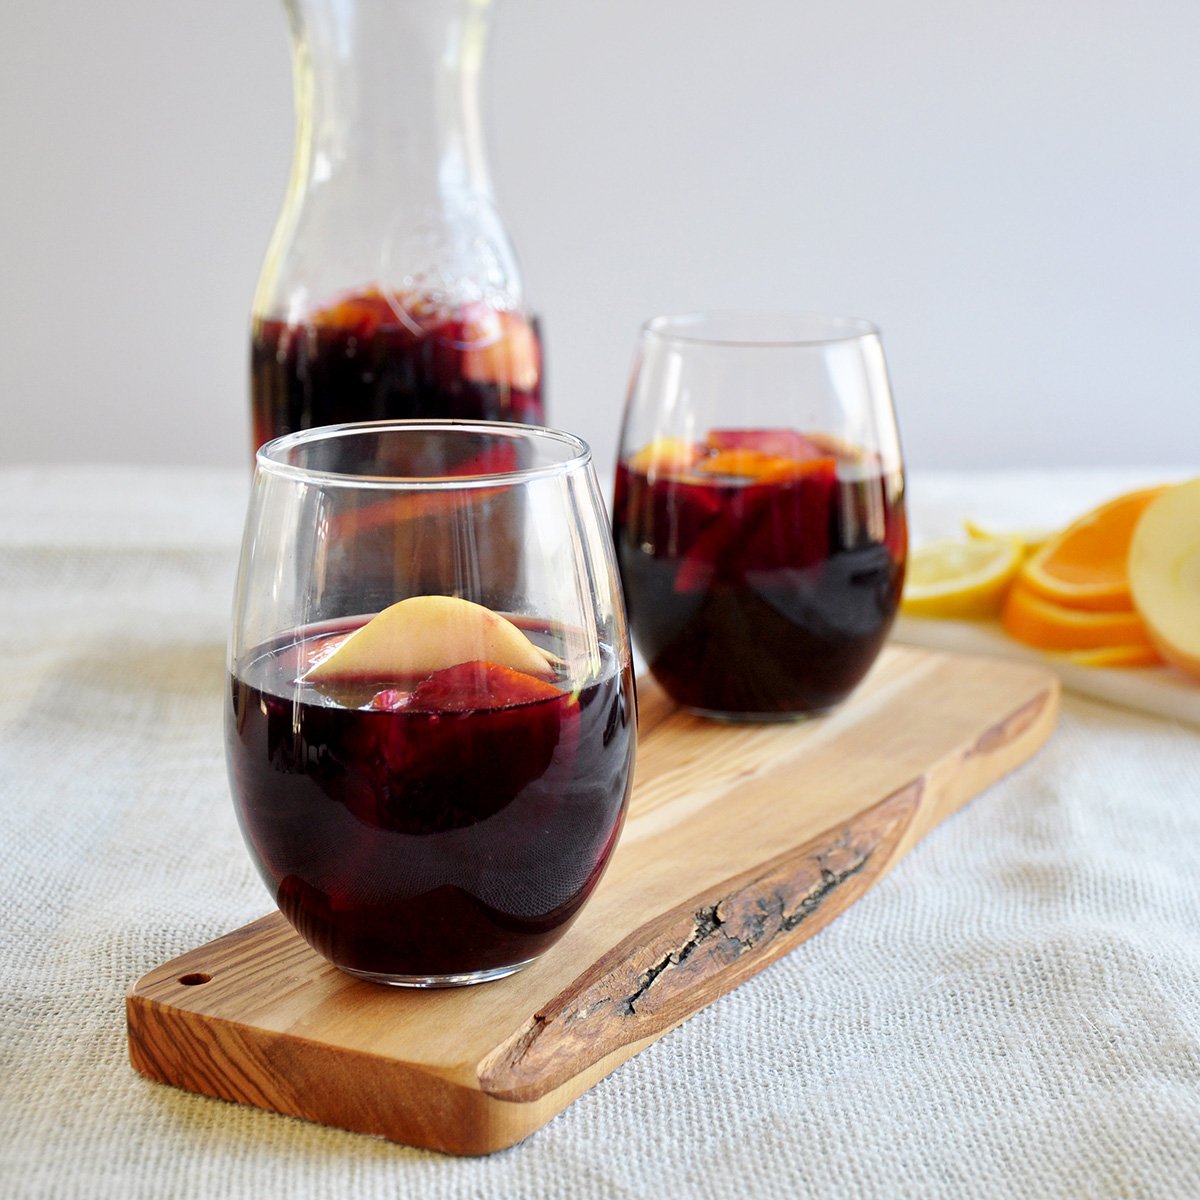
268	460
812	329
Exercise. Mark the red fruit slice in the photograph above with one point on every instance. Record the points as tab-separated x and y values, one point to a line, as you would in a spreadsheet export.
473	685
762	526
779	443
715	552
790	530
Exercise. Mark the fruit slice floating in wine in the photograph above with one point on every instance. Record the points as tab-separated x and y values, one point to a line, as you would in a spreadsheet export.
416	637
471	686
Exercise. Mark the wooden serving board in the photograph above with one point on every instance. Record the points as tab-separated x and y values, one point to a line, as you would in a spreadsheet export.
741	841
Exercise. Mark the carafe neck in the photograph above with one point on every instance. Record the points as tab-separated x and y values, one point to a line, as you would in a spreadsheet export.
387	97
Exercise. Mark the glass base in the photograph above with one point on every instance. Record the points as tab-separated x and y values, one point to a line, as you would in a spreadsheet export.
462	979
754	718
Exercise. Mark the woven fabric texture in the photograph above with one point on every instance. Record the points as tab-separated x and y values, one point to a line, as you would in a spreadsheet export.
1014	1012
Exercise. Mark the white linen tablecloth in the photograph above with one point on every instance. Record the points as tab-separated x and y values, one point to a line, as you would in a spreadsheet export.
1014	1012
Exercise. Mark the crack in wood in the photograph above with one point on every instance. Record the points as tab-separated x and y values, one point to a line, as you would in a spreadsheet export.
707	923
756	930
829	881
653	978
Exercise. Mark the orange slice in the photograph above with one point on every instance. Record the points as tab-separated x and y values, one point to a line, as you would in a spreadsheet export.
762	467
504	349
1039	622
1085	566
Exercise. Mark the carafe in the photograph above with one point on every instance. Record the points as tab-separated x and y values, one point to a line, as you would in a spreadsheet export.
390	288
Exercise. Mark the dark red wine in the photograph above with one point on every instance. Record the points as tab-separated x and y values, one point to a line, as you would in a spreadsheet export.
448	828
759	581
373	357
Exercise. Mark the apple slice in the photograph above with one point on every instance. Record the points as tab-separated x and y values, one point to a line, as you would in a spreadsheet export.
1164	574
423	634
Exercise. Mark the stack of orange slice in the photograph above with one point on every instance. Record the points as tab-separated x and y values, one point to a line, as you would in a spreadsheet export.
1067	593
1072	596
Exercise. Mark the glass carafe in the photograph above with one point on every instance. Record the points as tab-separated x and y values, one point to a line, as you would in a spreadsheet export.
390	288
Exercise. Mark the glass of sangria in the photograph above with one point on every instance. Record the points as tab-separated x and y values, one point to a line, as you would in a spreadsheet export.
430	759
759	510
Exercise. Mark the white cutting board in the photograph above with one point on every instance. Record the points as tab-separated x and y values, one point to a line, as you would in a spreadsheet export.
1164	691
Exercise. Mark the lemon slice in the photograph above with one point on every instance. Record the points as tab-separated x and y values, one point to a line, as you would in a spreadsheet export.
1031	540
961	578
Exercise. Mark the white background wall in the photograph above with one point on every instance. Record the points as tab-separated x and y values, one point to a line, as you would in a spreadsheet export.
1010	188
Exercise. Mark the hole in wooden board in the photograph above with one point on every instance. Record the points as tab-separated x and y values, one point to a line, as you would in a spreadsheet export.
193	978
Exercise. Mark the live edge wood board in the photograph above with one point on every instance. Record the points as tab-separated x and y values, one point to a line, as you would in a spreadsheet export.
741	841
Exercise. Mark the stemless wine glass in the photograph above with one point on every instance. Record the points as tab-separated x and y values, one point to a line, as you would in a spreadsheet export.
430	725
759	510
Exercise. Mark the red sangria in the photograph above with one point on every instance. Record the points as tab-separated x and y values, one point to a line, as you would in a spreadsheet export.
434	827
376	355
762	568
430	724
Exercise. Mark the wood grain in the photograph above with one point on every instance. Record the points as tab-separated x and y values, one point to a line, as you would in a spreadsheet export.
741	841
